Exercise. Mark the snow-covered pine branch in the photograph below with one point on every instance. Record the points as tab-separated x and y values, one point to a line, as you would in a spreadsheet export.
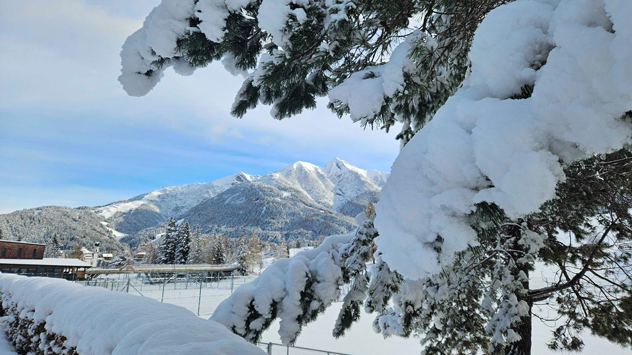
296	290
527	161
381	62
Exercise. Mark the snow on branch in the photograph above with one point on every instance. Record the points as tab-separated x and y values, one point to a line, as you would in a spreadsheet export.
53	316
551	83
298	289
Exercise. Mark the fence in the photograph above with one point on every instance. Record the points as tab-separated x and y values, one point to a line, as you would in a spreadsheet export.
198	292
280	349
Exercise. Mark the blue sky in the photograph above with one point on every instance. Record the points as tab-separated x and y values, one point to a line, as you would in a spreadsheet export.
70	136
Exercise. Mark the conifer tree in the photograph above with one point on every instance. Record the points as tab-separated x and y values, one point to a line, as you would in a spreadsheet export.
76	253
123	259
255	252
167	250
355	256
196	255
183	244
315	49
561	198
219	250
243	254
52	247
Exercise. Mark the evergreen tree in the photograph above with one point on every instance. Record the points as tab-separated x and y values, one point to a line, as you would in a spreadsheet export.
243	254
123	259
52	247
167	250
467	289
196	255
303	288
219	250
354	257
319	48
183	244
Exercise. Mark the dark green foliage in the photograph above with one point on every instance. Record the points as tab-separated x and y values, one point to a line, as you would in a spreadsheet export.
337	39
169	244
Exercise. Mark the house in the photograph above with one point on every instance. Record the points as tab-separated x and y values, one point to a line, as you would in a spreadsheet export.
28	259
10	249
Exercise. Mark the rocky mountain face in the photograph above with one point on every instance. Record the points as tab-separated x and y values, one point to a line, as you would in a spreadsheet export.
299	201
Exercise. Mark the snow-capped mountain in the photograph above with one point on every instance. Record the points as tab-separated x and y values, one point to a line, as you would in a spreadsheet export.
299	200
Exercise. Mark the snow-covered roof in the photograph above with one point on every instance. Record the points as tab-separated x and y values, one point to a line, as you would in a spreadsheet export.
45	262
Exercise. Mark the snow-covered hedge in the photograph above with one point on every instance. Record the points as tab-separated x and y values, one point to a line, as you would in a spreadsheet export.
53	316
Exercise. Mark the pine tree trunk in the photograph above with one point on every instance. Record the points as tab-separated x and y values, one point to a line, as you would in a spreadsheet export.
523	346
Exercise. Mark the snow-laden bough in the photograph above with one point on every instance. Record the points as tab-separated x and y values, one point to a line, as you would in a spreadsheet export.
490	143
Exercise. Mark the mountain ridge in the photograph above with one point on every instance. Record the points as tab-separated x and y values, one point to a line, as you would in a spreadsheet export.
300	200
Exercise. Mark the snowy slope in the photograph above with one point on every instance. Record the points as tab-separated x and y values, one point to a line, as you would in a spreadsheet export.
338	186
140	212
351	182
300	200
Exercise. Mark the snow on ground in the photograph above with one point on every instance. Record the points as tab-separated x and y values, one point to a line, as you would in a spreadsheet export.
110	210
116	234
5	347
359	340
294	251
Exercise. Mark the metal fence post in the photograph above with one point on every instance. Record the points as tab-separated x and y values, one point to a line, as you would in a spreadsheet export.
232	281
127	286
200	298
164	283
269	348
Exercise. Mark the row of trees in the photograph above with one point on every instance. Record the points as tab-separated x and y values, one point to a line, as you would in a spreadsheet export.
181	245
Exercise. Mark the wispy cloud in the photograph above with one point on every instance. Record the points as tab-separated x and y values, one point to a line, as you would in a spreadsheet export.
65	121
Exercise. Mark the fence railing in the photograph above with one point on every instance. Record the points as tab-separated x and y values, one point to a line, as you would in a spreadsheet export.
198	292
280	349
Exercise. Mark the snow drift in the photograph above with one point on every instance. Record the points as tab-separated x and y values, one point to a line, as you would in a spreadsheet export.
63	316
493	143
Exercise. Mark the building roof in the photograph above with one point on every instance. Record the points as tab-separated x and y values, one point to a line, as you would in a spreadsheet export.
20	242
45	262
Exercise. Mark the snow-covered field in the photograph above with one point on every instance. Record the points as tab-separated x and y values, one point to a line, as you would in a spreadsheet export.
359	340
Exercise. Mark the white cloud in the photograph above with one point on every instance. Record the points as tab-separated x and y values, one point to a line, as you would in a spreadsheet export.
60	62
